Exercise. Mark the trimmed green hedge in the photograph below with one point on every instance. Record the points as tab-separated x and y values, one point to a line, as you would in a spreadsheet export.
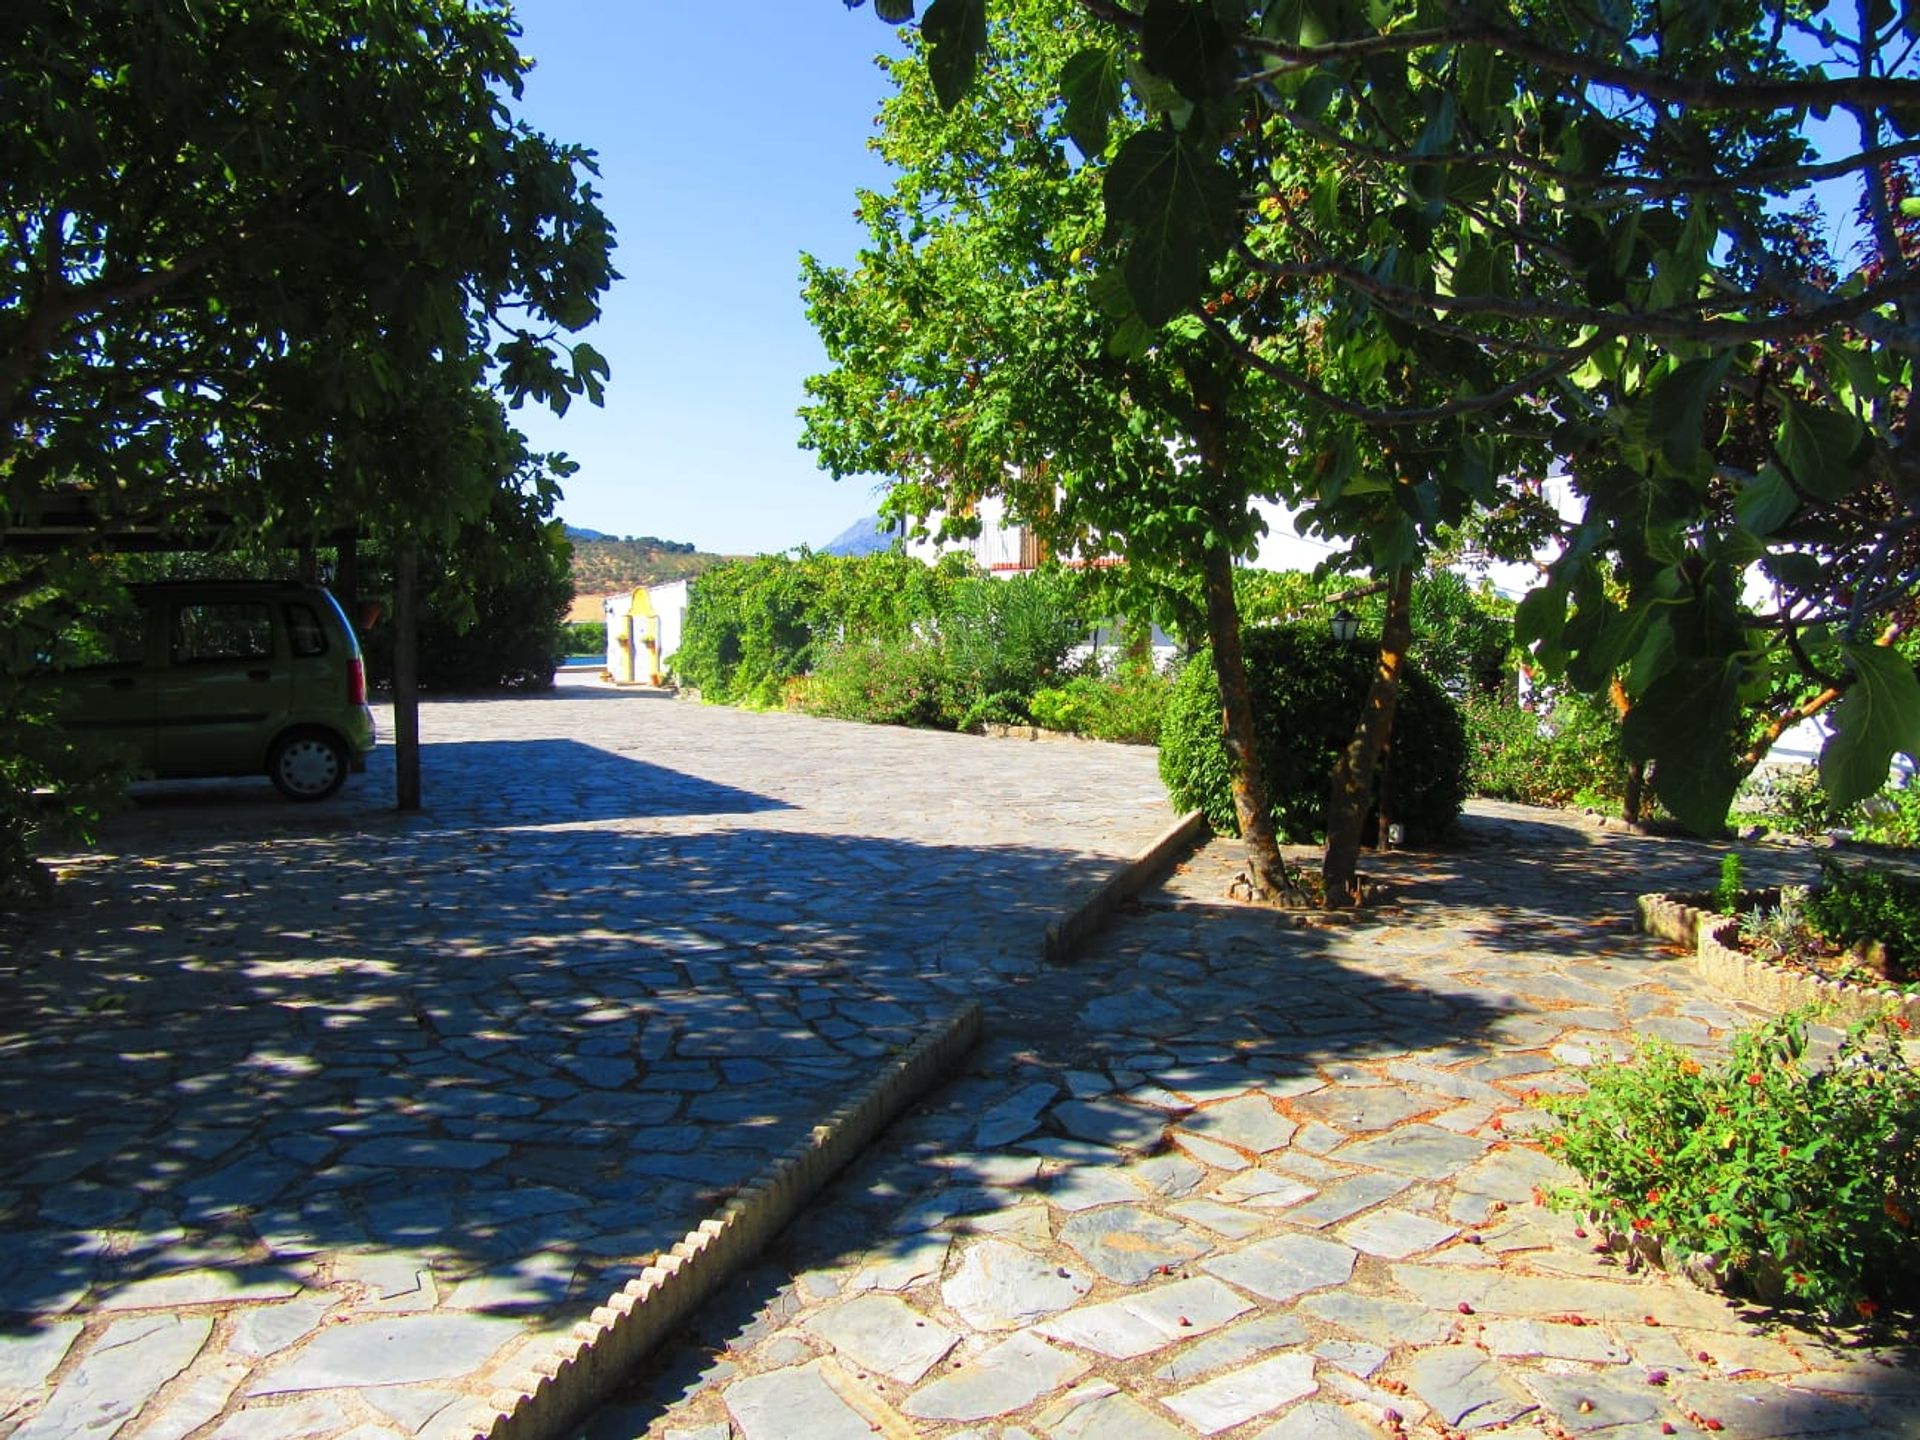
1308	690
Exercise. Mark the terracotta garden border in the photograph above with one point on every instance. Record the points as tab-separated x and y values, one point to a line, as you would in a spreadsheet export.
1688	920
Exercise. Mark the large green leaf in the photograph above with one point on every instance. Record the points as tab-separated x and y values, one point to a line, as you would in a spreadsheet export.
956	34
1184	42
1765	502
1683	724
1821	446
1090	81
1677	410
1176	202
1879	716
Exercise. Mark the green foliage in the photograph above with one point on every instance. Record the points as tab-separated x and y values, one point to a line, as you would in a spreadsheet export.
1564	753
1727	890
1752	448
1859	903
1308	691
883	682
492	605
54	783
1788	799
1892	817
586	637
879	637
1805	1178
1128	707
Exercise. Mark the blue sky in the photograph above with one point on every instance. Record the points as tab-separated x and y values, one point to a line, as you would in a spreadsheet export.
730	139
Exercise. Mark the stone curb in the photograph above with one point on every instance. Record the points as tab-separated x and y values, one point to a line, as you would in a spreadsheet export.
560	1386
1067	935
1682	920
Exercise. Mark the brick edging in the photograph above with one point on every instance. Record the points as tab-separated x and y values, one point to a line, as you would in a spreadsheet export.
1071	931
568	1377
1685	920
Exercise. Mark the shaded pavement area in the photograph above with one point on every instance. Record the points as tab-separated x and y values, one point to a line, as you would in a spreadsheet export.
317	1117
1235	1176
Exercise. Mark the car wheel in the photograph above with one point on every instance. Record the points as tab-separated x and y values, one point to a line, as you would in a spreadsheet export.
307	765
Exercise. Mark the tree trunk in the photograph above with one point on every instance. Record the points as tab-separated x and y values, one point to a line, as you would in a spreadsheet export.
1350	793
1635	798
1266	870
406	672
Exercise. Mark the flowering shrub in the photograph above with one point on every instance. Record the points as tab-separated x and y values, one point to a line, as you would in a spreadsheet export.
1787	1178
1127	707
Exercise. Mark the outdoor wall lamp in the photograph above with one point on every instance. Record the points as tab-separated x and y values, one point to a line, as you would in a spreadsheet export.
1344	624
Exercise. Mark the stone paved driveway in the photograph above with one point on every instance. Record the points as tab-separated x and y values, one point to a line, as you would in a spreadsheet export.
315	1117
1228	1177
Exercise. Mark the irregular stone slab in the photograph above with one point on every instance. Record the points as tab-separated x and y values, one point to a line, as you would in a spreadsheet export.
201	1287
1134	1012
1171	1174
1395	1234
1100	1411
26	1360
1283	1268
1362	1109
1211	1152
126	1366
1318	1420
1250	1122
1379	1319
400	1350
1264	1189
1230	1347
1766	1412
1424	1151
1002	1287
881	1333
1139	1324
1089	1186
1113	1123
1467	1388
534	1282
1512	1174
305	1418
271	1328
783	1404
985	1168
1011	1375
1353	1356
945	1204
903	1264
1016	1116
1349	1197
1544	1339
1127	1244
1443	1287
1224	1220
423	1153
1585	1404
1238	1396
203	1396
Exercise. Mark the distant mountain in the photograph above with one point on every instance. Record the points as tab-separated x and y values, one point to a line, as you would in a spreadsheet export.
864	537
606	565
576	532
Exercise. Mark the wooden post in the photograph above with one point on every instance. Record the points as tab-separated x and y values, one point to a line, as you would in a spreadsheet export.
406	681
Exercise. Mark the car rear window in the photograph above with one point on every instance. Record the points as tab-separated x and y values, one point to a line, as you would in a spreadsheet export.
227	630
304	631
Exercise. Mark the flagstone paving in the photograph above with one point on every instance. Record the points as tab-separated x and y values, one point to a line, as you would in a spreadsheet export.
316	1117
1286	1190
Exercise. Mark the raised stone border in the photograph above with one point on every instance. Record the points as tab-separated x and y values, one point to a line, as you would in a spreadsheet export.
560	1386
1067	935
1686	920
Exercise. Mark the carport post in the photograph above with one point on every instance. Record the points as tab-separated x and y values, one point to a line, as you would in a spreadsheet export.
406	686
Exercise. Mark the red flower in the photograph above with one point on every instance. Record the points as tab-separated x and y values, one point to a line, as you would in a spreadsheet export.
1653	1197
1755	1078
1867	1308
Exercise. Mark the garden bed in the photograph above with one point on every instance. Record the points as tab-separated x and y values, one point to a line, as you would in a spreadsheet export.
1690	921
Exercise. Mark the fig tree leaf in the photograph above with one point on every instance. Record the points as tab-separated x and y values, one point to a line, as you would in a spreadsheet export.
1878	716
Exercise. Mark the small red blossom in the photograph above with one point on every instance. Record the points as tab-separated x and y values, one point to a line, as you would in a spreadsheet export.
1868	1308
1756	1078
1642	1223
1653	1197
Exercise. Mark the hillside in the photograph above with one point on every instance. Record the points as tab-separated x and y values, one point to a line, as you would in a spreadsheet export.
606	566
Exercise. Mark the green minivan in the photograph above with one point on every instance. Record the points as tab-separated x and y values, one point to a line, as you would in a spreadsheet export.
227	677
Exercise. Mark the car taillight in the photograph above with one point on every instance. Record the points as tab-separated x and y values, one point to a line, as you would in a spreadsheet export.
356	681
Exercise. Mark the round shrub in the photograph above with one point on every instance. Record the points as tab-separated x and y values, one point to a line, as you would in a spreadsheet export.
1307	693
